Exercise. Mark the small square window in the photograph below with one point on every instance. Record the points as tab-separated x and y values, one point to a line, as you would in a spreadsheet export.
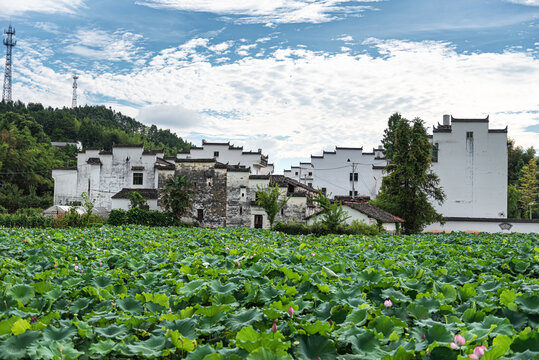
352	193
200	214
353	176
241	210
296	173
324	190
216	154
138	178
310	173
469	134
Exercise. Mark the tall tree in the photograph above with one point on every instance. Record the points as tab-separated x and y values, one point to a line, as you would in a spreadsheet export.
517	157
410	184
529	187
176	195
269	198
389	135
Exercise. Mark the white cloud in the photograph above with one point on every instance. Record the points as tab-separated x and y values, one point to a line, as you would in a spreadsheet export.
345	38
47	26
297	102
17	7
269	12
526	2
101	45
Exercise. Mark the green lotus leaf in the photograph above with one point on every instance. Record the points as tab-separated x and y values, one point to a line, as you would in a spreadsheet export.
6	325
314	347
244	318
264	354
528	303
383	325
15	346
440	334
112	331
528	341
443	353
130	305
103	347
358	317
192	287
248	339
21	292
58	334
500	346
395	295
152	347
318	327
217	288
102	282
80	305
186	327
420	312
201	352
20	326
370	276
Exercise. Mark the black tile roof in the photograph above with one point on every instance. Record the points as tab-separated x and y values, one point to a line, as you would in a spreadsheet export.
374	212
146	193
93	161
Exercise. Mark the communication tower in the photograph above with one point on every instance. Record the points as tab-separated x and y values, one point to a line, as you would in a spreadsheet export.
74	103
10	43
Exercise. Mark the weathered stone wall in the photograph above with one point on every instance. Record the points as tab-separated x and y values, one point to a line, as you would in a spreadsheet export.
209	191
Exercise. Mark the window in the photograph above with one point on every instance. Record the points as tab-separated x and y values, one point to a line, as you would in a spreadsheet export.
353	176
242	191
310	184
469	134
137	178
469	142
216	154
324	190
241	210
310	173
200	214
296	173
282	211
353	194
434	155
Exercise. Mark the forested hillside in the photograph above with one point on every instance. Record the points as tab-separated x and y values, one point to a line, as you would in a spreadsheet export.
27	157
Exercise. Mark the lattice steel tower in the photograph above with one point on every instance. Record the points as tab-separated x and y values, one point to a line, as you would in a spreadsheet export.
74	102
10	43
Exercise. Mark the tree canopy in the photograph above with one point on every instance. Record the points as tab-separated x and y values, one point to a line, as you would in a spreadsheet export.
269	198
529	187
176	195
410	184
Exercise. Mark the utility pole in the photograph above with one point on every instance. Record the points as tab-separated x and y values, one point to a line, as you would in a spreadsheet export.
353	180
10	43
74	102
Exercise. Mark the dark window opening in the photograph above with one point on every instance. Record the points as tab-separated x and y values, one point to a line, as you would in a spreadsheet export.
241	210
469	134
282	211
353	176
352	194
216	154
258	221
290	188
324	190
200	214
310	184
310	173
296	173
137	178
88	186
434	155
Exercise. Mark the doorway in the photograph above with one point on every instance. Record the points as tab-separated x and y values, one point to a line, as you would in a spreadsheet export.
259	221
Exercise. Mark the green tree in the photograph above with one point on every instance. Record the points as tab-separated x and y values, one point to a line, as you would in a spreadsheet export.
269	198
517	157
529	187
137	201
389	135
513	198
332	214
410	183
176	195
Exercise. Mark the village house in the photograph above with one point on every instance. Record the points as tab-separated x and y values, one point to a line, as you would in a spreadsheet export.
225	195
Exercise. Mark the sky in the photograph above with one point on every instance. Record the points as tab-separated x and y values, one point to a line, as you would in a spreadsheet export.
293	77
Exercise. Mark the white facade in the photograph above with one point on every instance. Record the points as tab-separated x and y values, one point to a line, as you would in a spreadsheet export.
486	225
101	174
472	167
343	172
231	155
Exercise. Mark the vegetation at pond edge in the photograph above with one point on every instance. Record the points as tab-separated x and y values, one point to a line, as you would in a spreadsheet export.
143	292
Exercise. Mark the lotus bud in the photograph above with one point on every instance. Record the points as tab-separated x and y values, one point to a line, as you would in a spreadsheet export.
388	303
274	327
290	311
459	340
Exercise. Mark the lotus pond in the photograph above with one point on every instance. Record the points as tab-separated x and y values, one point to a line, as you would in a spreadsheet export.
117	292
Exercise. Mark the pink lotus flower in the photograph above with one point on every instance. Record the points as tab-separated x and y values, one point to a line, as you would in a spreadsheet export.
459	340
55	266
370	245
388	303
227	248
76	267
169	310
313	254
81	271
274	327
238	263
290	311
453	346
100	263
478	352
423	336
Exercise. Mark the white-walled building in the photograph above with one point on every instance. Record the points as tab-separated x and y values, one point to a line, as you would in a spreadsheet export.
228	154
103	174
345	171
471	161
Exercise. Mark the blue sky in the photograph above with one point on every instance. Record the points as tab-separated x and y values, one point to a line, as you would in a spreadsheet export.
293	77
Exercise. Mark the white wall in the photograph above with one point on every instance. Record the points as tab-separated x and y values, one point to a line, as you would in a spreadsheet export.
485	226
65	186
473	176
125	204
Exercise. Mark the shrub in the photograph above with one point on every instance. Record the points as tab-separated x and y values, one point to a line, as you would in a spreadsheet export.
320	229
292	228
26	221
137	216
117	217
29	211
73	219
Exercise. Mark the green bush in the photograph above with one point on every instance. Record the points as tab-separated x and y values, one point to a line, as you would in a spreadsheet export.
320	229
137	216
73	219
29	211
25	221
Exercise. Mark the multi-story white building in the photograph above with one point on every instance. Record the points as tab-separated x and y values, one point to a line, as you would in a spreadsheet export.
471	161
345	171
228	154
103	175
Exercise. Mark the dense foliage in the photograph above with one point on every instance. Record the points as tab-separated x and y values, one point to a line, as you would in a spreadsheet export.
332	215
27	157
529	187
517	159
138	216
239	293
176	195
319	228
270	199
410	186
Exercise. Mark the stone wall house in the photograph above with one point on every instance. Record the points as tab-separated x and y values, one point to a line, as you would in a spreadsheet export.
225	195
